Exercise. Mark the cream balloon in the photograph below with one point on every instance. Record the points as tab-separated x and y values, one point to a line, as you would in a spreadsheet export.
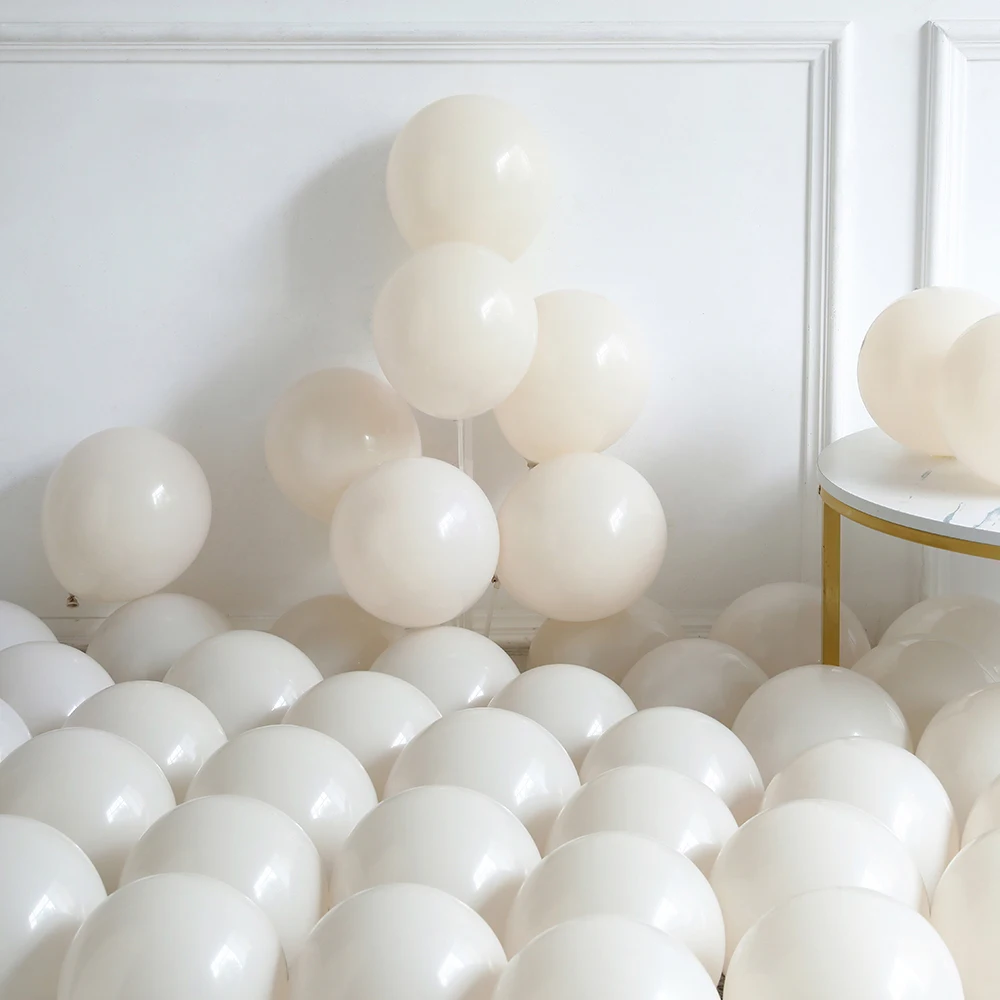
625	875
921	618
330	428
455	329
888	783
399	940
806	706
902	357
831	944
97	788
469	168
124	514
171	936
975	626
702	674
172	726
581	537
502	754
455	839
247	678
13	731
19	625
984	816
455	667
803	845
415	542
778	627
143	639
576	704
373	715
678	812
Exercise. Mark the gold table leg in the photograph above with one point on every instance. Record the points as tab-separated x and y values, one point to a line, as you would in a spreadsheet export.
831	586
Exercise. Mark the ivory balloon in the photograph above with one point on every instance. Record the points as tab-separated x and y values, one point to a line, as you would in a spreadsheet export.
13	731
469	168
124	514
19	625
330	428
778	626
581	537
702	674
97	788
901	361
922	617
415	542
984	816
975	626
373	715
455	329
625	875
143	639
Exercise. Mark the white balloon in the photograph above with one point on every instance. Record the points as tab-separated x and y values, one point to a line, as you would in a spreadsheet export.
13	731
888	783
305	774
47	887
581	537
172	726
702	674
984	816
415	542
373	715
688	742
975	626
400	940
97	788
680	813
502	754
455	329
921	618
247	844
469	168
143	639
455	839
19	625
247	678
831	944
626	875
455	667
901	361
779	627
806	706
124	514
172	936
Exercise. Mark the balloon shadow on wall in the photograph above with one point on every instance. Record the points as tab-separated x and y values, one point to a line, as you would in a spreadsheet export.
21	535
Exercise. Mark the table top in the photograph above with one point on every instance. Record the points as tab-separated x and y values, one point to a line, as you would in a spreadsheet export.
872	473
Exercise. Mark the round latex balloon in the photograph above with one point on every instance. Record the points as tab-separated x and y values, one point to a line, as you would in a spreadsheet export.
124	514
399	940
778	626
586	385
13	731
415	542
702	674
335	633
887	782
246	678
922	617
975	626
502	754
806	706
455	329
984	815
172	726
307	775
469	168
19	625
901	361
373	715
44	681
143	639
625	875
593	958
576	704
842	942
455	839
48	886
175	935
455	667
330	428
581	537
97	788
247	844
680	813
688	742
